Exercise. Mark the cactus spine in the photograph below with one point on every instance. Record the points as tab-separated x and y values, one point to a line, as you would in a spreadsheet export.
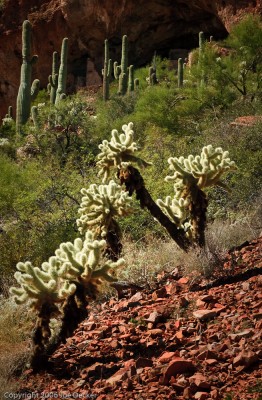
53	79
62	76
107	71
123	77
25	92
180	73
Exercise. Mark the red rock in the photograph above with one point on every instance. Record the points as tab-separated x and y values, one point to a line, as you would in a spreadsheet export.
153	317
200	381
245	358
201	396
172	288
155	332
166	357
211	361
159	294
244	334
143	362
183	280
207	354
176	366
205	314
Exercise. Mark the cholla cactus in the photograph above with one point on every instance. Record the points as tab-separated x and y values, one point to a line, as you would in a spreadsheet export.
176	209
121	148
205	170
101	203
41	286
82	260
189	204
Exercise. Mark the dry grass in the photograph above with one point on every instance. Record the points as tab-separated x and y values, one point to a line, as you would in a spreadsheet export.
15	334
145	259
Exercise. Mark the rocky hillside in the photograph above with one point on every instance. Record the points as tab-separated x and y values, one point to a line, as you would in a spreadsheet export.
178	340
153	26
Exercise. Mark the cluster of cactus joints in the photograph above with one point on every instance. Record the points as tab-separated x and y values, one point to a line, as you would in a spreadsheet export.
205	169
100	206
44	290
192	175
180	73
107	71
53	79
62	75
121	148
26	93
64	283
83	263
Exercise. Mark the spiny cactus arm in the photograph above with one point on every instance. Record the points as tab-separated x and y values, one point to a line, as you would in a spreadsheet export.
176	209
68	255
206	169
35	89
121	148
117	70
100	204
104	271
38	286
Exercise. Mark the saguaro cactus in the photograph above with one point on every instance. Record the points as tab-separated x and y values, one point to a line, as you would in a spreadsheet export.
25	92
131	82
180	73
123	77
53	79
62	76
107	71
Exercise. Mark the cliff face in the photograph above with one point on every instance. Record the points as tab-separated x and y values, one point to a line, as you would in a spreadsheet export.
150	25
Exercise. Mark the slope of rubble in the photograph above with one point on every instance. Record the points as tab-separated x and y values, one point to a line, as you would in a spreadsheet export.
173	342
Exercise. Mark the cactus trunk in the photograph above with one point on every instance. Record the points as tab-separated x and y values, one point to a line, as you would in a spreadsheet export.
62	76
107	71
180	73
53	79
123	77
24	97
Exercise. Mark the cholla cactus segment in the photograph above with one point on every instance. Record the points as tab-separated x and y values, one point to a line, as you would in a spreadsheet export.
205	170
176	209
83	260
121	148
101	203
39	286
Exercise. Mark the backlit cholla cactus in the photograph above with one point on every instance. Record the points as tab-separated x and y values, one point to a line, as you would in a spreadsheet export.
82	261
176	209
205	170
100	204
41	285
191	176
120	148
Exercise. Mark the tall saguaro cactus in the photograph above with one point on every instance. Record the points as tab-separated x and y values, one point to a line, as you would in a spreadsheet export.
53	79
107	71
26	93
180	73
62	76
123	77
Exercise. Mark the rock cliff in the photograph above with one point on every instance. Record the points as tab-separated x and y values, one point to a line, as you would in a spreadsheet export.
150	25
